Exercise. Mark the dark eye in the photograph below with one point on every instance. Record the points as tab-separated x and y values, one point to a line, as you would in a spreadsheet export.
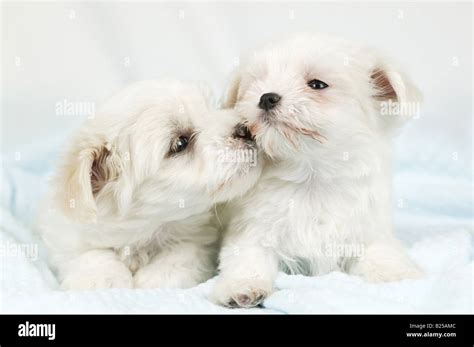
180	144
317	84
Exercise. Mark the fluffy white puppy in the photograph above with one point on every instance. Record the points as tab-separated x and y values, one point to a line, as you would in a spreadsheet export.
323	111
131	203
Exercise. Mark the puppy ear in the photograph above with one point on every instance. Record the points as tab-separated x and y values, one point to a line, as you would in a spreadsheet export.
86	170
396	97
232	93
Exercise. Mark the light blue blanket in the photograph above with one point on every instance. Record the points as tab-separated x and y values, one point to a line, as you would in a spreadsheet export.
433	214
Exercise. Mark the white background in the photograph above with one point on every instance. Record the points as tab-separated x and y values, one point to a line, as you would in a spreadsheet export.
84	52
53	52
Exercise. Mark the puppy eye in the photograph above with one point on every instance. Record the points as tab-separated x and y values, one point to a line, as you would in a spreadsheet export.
317	84
180	144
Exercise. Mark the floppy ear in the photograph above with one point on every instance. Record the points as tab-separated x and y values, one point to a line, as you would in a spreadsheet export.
232	94
87	168
396	97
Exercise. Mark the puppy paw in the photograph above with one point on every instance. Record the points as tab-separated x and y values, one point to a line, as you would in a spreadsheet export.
243	293
117	277
384	264
160	277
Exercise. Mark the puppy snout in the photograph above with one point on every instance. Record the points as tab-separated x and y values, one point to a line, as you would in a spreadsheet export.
269	101
241	131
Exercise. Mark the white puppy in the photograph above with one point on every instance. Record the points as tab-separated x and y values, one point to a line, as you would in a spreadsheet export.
324	112
131	204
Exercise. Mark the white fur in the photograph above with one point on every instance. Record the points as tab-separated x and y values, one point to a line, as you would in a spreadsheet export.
328	179
123	212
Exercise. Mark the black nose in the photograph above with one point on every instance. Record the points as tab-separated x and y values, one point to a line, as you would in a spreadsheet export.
268	101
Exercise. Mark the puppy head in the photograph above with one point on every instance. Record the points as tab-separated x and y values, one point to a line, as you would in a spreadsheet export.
315	92
158	145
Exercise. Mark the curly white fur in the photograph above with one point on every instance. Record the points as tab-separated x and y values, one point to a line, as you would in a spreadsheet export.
325	191
123	211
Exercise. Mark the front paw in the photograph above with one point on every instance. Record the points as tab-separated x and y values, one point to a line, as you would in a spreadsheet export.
152	276
243	293
385	264
117	277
